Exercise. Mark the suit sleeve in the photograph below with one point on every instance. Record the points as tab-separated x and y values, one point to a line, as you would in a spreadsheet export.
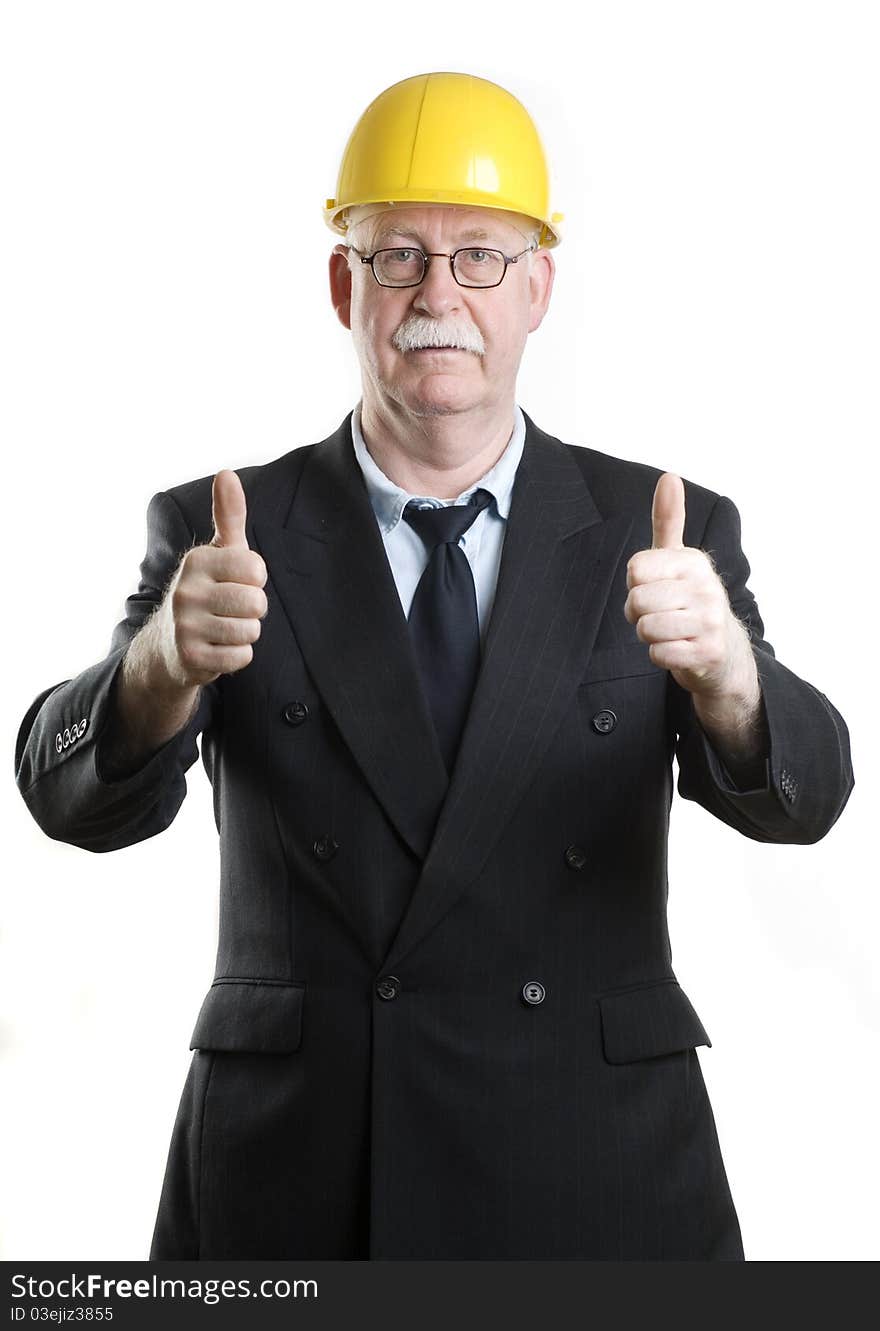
59	766
808	772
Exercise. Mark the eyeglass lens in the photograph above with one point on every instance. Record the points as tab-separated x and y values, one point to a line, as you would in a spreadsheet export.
471	267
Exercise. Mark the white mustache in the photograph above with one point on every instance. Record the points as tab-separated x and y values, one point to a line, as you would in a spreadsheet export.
418	331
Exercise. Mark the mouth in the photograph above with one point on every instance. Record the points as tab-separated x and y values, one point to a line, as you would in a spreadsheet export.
420	351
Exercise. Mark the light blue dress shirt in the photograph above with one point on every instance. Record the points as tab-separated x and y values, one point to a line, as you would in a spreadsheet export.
483	540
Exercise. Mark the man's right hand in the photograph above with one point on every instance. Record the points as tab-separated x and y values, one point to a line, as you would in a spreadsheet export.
211	613
204	627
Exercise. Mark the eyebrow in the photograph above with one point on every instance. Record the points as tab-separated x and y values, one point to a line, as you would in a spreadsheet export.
386	233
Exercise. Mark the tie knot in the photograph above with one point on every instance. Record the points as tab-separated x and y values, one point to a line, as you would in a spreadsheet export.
438	525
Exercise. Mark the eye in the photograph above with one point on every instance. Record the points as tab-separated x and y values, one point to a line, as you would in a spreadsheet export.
477	256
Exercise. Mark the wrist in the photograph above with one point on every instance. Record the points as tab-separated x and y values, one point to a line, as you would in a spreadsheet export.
739	690
150	704
148	668
736	726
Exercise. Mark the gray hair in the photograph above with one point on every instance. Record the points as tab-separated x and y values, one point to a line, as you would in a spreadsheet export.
363	221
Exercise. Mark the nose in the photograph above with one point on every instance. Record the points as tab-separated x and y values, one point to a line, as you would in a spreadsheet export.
439	293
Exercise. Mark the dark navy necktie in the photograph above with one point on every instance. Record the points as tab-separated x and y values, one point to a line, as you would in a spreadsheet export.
443	620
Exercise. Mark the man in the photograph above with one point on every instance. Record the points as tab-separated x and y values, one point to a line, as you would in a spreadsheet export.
440	663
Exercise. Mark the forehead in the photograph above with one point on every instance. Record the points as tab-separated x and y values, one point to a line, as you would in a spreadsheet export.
460	223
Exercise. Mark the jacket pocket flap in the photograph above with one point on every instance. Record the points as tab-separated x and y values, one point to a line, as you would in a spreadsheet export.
260	1016
653	1019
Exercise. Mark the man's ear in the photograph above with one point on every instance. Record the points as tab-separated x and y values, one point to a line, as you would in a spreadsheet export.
540	286
340	284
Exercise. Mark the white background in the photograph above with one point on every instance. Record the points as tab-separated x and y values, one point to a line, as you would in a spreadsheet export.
165	313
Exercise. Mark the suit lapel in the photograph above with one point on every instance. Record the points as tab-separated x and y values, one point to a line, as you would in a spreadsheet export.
558	560
330	570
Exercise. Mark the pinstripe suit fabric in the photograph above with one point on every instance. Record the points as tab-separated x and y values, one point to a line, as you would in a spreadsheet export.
369	1078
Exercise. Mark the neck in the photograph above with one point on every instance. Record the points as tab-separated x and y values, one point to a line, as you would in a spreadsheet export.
435	455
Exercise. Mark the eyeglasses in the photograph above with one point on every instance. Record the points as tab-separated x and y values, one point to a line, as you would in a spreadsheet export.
406	267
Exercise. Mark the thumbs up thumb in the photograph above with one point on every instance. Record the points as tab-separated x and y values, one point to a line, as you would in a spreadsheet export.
667	513
229	510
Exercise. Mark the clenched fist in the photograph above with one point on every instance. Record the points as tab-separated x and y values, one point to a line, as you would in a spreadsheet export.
679	606
210	616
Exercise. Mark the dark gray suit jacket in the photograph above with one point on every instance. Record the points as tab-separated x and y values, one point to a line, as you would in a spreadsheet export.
444	1021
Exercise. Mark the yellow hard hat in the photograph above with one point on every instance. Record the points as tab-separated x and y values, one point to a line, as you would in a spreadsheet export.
446	138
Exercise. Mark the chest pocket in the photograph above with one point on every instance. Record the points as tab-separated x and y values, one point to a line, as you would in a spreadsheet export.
629	660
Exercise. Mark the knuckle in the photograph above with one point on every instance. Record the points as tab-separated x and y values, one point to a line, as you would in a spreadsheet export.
188	653
716	617
179	590
181	608
199	557
714	651
255	603
638	567
186	592
256	566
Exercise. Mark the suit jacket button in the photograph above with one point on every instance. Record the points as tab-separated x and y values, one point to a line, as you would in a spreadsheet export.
295	713
604	721
59	743
388	986
575	857
533	992
325	847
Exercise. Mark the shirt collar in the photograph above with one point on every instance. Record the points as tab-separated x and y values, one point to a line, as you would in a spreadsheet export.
389	501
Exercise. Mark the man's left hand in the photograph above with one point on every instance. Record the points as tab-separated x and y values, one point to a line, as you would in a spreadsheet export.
679	606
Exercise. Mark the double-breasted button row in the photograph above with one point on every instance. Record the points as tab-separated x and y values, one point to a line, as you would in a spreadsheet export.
295	712
324	848
389	986
788	784
70	734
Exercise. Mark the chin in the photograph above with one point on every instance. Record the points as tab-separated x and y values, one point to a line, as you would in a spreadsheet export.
437	406
434	398
434	409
